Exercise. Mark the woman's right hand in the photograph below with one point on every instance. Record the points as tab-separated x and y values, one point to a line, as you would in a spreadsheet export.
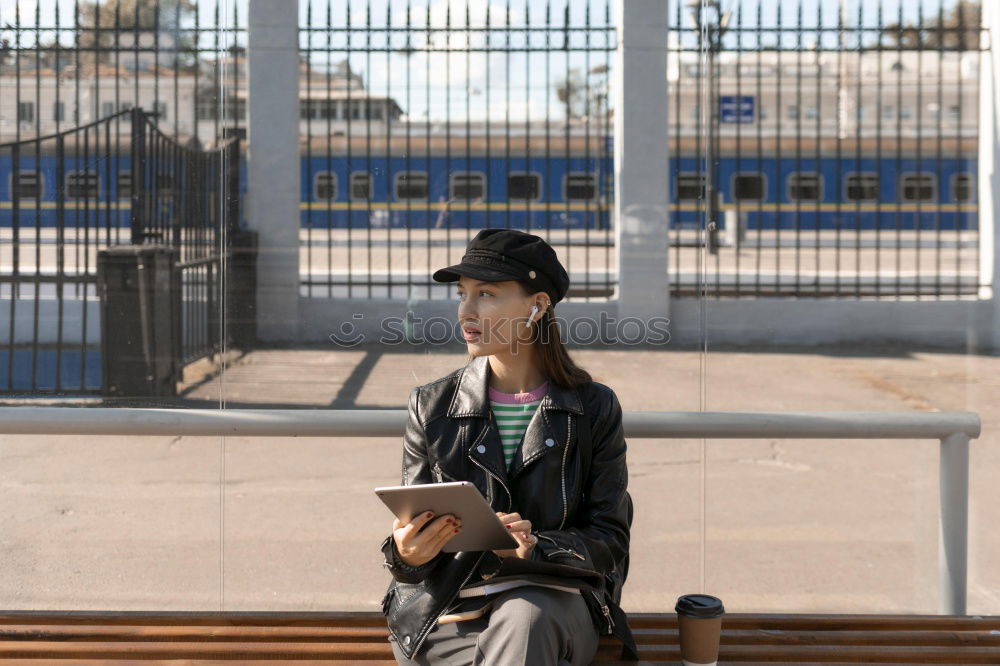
416	546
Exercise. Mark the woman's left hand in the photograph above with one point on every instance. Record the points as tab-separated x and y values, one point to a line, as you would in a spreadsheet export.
521	530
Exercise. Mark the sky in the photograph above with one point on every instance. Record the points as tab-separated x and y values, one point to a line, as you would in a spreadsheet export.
451	85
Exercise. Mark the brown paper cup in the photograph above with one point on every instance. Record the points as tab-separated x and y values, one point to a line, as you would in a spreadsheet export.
699	624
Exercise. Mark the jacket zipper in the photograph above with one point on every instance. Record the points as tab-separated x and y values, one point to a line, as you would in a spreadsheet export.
559	549
606	611
492	475
473	570
569	437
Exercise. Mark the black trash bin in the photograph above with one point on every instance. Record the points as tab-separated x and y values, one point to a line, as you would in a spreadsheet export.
140	291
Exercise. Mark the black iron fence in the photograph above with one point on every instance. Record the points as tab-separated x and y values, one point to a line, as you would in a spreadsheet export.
74	193
828	153
823	149
423	123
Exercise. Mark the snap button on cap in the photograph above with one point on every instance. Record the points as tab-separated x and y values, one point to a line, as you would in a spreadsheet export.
550	442
531	274
481	448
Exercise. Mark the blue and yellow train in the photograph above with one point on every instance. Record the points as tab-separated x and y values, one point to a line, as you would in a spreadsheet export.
543	184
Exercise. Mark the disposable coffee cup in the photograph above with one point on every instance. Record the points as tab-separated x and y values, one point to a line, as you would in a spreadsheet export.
699	623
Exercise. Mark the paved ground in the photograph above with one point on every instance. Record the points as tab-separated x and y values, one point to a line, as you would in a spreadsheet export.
838	526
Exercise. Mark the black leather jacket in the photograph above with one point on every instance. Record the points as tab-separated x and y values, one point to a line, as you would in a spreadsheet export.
568	478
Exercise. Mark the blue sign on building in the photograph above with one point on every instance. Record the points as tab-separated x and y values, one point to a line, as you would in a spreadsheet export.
734	109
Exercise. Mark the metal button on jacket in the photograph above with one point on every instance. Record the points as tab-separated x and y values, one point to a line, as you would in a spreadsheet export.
550	442
406	640
481	448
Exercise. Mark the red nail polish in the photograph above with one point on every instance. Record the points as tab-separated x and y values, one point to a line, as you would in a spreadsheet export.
508	526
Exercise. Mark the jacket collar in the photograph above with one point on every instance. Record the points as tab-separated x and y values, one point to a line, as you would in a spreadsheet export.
471	396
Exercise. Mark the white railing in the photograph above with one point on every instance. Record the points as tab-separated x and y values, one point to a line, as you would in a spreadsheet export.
953	429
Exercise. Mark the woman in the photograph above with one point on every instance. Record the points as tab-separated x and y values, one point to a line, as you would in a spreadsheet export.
545	446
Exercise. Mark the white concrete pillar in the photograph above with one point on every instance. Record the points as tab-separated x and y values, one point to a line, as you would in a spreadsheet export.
273	163
641	192
988	184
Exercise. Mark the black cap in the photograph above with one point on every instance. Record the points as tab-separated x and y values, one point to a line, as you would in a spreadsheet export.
495	255
700	606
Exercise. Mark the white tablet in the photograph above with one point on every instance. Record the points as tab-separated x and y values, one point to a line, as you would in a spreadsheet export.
481	527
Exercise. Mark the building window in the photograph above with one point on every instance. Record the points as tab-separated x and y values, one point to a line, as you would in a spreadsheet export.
81	185
107	109
411	185
161	111
954	113
689	186
962	189
325	186
124	184
26	112
888	112
59	111
467	186
579	186
748	187
805	187
812	113
526	186
361	186
861	187
917	187
27	185
793	112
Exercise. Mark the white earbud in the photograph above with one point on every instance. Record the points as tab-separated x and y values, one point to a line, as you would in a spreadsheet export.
534	311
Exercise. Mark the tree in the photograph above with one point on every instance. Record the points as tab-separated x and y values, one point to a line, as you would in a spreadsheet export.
957	30
104	23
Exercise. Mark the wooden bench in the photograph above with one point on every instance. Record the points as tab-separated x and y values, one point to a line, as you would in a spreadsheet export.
47	638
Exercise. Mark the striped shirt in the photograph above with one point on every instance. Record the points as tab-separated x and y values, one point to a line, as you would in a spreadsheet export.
513	412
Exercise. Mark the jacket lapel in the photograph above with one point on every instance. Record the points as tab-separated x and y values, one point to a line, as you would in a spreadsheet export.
547	431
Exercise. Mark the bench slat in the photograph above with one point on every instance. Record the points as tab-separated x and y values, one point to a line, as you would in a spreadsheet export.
48	638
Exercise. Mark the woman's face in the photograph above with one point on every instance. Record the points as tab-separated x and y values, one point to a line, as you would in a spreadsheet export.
492	315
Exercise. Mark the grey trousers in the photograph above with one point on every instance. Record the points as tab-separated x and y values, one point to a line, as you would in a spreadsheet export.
526	625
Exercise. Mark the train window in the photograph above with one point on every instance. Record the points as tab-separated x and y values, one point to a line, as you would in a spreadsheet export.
467	186
961	187
81	185
580	186
124	184
325	186
361	186
524	186
861	187
27	185
917	187
805	186
689	186
748	186
411	185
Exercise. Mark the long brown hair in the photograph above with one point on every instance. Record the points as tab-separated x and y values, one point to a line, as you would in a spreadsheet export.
552	354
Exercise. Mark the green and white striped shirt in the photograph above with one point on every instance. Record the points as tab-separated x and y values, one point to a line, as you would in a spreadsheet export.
513	412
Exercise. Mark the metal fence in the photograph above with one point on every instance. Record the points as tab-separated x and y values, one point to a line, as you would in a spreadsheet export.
825	154
431	121
82	167
187	199
84	189
821	149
